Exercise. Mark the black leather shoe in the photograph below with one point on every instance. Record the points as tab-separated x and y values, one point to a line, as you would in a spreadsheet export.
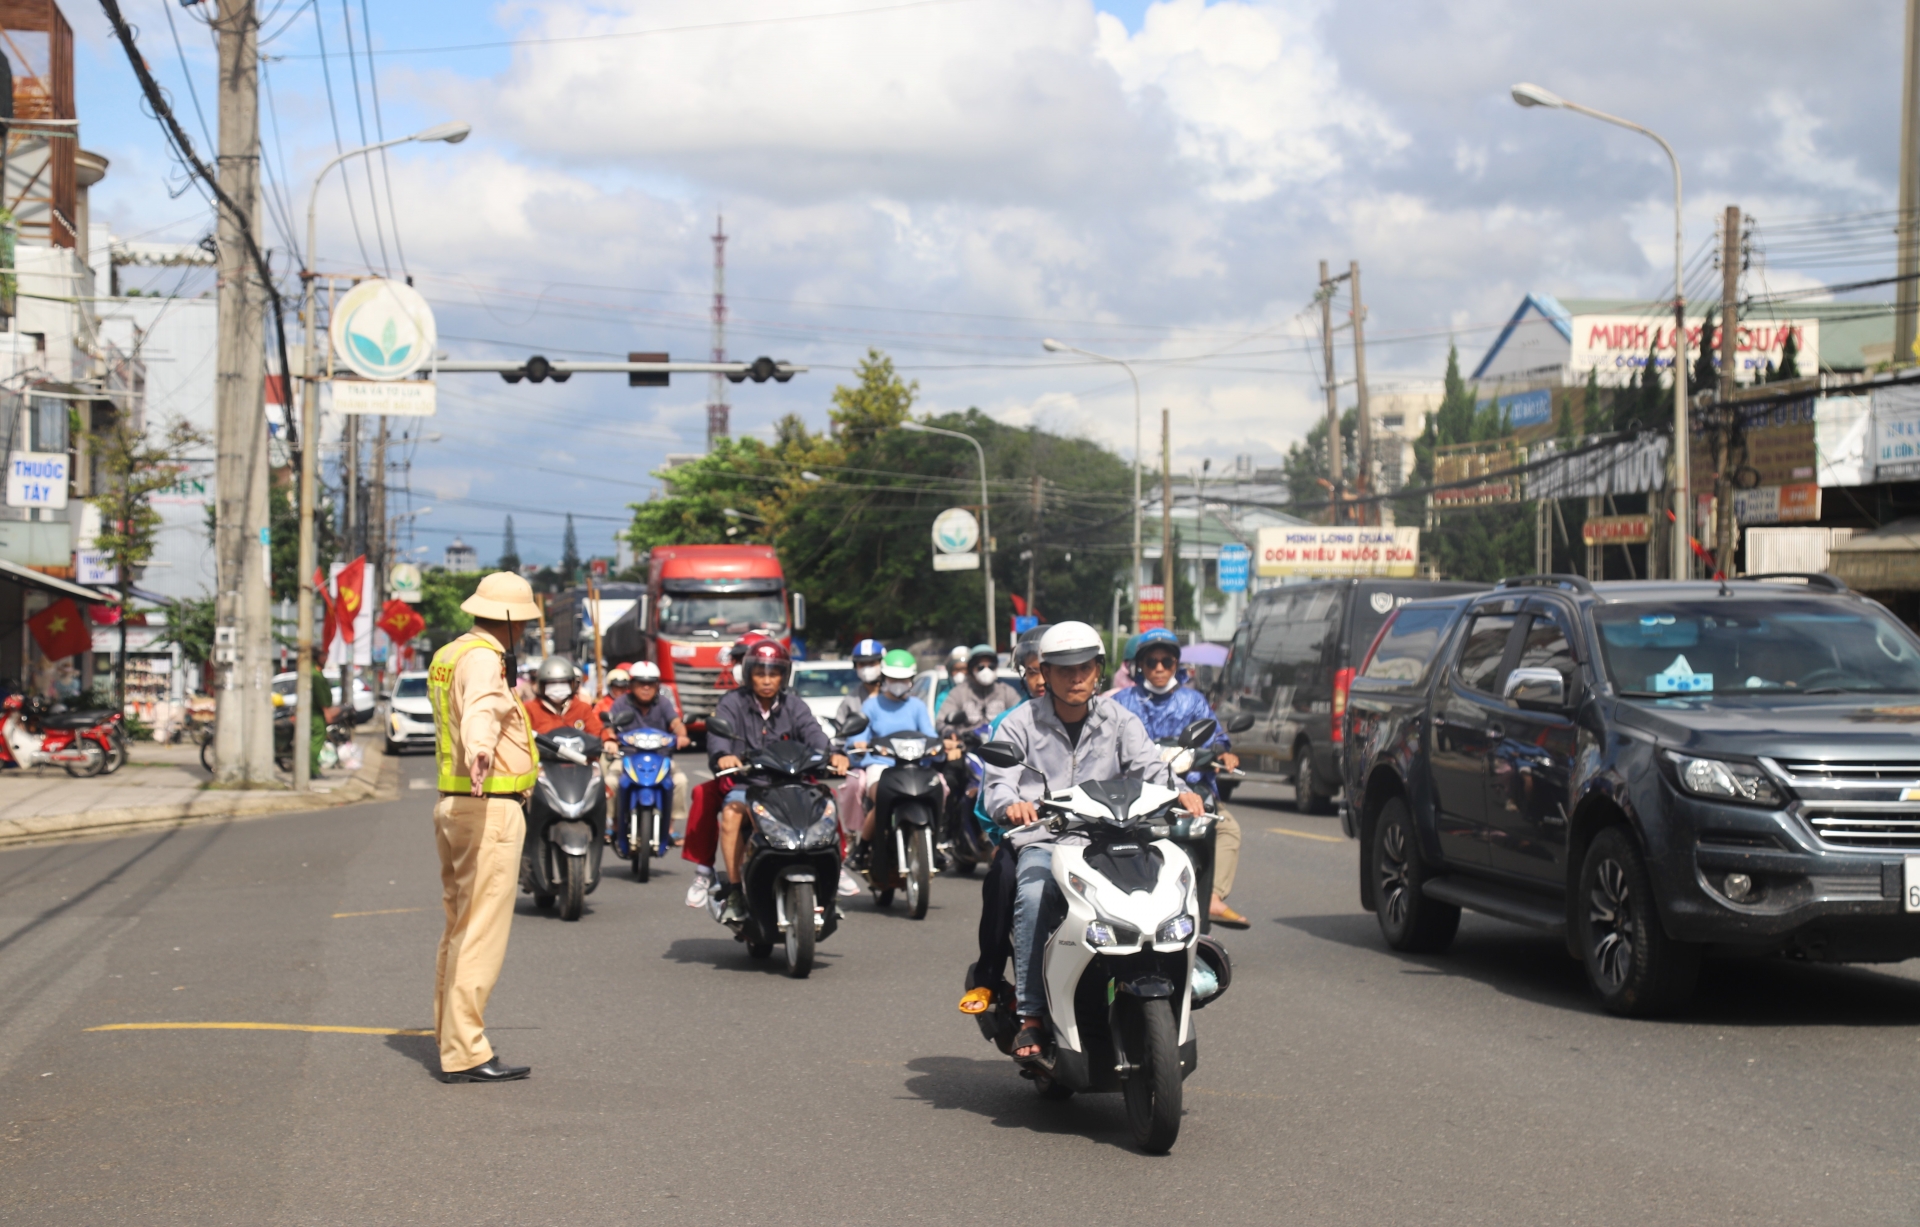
492	1071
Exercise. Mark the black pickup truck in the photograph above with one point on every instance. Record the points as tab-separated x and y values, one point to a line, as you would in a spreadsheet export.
1653	770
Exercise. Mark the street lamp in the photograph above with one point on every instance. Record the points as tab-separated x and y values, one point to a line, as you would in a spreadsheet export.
1061	347
452	133
986	519
1529	95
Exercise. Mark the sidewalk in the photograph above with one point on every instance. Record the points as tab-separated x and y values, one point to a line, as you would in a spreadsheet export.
165	786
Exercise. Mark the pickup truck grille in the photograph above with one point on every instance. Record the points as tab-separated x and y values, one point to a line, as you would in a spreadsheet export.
699	690
1859	805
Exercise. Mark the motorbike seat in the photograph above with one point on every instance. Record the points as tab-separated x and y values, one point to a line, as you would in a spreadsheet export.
75	719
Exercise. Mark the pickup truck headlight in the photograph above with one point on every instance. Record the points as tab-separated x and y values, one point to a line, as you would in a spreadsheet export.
1725	781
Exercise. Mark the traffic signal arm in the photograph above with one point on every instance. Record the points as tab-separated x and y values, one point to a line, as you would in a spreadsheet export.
539	368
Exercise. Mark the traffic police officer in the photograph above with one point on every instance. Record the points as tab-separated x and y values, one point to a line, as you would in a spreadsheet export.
483	749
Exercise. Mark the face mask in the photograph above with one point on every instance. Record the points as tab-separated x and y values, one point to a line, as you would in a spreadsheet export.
985	675
558	693
897	688
868	673
1166	689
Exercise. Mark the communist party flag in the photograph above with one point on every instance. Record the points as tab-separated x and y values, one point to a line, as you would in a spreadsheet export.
348	592
60	630
398	619
326	598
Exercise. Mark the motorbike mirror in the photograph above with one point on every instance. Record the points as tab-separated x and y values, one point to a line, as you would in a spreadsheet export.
855	724
1199	733
1240	723
718	727
622	718
1001	754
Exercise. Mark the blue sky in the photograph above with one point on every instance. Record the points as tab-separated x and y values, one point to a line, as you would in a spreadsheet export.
952	181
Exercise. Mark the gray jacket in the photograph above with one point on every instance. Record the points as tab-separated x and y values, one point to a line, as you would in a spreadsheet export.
966	707
1114	743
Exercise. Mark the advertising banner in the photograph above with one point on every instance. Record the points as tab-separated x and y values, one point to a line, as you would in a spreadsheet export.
1321	551
1617	345
1796	502
1153	608
1466	461
404	398
1895	454
1617	530
1234	563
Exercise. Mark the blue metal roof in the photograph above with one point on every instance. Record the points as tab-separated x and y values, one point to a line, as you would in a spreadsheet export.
1549	309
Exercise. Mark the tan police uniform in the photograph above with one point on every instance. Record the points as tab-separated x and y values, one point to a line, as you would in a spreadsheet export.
479	838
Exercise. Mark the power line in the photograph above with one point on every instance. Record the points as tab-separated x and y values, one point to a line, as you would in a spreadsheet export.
353	66
339	147
380	131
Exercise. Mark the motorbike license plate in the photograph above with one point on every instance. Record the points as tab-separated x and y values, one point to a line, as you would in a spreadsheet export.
1913	884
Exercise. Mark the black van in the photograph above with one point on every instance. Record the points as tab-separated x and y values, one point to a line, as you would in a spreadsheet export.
1289	666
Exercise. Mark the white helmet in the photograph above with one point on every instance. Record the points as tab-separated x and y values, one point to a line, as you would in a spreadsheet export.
1071	643
645	671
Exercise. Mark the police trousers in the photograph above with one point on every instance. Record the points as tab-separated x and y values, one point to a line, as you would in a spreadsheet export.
479	840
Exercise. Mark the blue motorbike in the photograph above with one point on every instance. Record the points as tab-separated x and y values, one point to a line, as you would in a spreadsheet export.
643	819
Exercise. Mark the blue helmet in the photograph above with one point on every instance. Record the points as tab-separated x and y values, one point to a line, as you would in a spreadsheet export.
869	649
1147	639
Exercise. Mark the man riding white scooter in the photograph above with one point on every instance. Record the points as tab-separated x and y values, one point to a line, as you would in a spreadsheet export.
1065	738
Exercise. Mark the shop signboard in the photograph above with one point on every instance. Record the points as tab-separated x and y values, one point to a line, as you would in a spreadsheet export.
1796	502
955	534
1896	433
1466	462
1152	607
1616	530
1234	563
403	398
1617	345
1312	550
37	479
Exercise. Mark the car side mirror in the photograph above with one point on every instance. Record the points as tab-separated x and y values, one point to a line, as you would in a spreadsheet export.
855	724
1240	723
1001	754
1535	688
1199	733
799	612
717	726
643	613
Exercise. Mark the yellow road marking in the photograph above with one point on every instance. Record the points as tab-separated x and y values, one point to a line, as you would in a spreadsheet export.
385	911
1325	839
254	1026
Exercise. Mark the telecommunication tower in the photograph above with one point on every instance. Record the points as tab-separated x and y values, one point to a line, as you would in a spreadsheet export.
717	407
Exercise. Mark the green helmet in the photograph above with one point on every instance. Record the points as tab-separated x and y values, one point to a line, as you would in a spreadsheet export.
898	663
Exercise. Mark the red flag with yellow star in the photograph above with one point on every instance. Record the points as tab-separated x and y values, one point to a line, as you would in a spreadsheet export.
398	619
348	595
60	630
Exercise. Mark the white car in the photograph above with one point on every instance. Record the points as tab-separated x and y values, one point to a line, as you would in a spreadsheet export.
363	700
409	713
822	684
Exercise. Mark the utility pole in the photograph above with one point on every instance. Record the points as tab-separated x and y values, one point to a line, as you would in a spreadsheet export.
377	526
1033	546
718	411
1907	293
1167	561
1368	513
243	630
1335	466
1725	530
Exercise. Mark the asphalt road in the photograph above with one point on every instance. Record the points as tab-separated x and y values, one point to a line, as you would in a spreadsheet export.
676	1081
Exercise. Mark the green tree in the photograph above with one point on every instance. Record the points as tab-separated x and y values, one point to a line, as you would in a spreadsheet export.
284	540
1476	543
1597	421
130	467
1789	360
440	595
570	554
1705	373
1307	475
879	401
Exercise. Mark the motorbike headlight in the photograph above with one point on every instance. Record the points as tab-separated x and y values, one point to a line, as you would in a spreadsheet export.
909	749
1101	934
1176	929
826	825
776	832
1712	777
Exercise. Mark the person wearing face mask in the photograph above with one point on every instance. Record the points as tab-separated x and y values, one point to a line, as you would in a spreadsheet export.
558	705
893	710
981	697
1166	706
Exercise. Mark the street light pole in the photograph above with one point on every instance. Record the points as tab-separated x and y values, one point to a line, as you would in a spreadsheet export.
453	134
1133	581
986	519
1533	96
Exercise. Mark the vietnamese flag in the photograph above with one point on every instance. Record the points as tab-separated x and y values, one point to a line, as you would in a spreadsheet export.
60	630
399	621
326	598
348	593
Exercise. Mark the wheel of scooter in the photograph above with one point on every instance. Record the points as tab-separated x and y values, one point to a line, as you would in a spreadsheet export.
1152	1090
642	864
919	872
799	929
93	760
117	755
573	885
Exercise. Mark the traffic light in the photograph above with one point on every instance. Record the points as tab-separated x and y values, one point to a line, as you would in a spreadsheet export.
647	379
537	370
761	370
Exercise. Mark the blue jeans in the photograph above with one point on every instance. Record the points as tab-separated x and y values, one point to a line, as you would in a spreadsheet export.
1033	889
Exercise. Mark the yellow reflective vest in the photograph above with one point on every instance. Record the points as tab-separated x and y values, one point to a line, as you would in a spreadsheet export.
440	692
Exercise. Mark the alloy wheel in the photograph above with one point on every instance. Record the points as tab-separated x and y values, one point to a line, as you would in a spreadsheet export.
1610	919
1393	873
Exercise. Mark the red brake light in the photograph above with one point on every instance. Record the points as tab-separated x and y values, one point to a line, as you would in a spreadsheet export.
1341	681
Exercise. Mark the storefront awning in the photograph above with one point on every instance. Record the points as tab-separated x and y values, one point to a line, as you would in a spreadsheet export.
47	583
1884	560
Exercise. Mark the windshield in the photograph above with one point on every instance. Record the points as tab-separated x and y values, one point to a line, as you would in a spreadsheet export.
722	615
411	688
1718	646
824	683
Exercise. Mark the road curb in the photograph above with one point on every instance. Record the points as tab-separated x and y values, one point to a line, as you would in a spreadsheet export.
378	780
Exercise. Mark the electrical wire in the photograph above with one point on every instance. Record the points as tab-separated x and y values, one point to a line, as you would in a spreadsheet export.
339	147
380	131
353	65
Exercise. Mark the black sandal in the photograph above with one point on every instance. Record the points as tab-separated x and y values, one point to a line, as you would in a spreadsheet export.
1033	1035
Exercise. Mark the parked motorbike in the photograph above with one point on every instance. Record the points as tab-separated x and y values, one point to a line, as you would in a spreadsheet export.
906	805
35	738
643	821
560	860
1120	965
792	868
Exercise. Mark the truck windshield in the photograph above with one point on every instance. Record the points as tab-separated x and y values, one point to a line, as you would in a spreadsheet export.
1792	645
720	615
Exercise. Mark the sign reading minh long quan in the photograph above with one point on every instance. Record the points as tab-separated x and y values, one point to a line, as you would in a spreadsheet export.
1312	550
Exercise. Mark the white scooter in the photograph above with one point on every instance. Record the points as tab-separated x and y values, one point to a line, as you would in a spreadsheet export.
1119	966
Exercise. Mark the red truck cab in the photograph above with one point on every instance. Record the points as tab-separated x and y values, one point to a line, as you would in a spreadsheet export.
700	599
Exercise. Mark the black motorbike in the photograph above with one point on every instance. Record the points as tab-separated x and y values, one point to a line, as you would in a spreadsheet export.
792	870
906	804
1199	770
560	860
963	844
